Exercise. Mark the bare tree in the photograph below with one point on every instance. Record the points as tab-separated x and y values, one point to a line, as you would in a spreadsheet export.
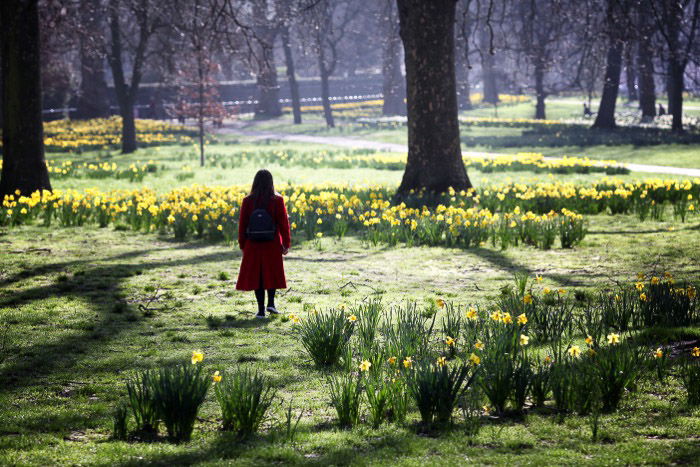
328	22
393	82
137	20
617	30
93	97
677	22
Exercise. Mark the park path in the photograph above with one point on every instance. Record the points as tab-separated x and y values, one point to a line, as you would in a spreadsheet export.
580	103
356	143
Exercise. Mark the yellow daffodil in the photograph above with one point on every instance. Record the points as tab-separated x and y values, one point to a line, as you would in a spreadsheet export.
408	362
449	341
527	299
659	353
365	365
352	318
197	356
474	359
643	297
440	302
441	361
574	351
216	377
524	340
589	340
471	313
392	360
613	339
695	352
479	345
522	319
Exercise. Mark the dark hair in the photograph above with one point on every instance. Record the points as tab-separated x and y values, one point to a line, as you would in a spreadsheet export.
263	187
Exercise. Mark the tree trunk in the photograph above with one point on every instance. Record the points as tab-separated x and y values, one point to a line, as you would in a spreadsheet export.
291	77
268	88
393	83
606	111
93	97
676	66
539	90
675	93
630	75
325	88
126	95
464	91
434	154
488	72
24	166
126	109
647	88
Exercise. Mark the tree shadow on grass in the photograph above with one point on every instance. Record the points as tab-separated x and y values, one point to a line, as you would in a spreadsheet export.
40	357
268	450
581	136
506	264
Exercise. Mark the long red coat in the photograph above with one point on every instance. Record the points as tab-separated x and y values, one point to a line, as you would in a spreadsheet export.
263	260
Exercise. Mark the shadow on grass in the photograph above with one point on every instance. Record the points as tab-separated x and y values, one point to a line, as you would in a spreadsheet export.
268	450
581	136
41	357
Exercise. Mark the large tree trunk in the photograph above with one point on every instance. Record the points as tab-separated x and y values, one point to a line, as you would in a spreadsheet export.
393	83
606	111
291	76
24	166
647	88
268	88
539	90
325	88
630	75
488	71
434	154
93	98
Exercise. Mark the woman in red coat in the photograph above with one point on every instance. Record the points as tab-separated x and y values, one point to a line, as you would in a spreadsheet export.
262	267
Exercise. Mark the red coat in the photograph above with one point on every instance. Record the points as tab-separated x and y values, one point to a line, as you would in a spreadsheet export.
263	259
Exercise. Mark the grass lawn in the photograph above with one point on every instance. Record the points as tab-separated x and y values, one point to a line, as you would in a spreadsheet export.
631	146
83	308
76	332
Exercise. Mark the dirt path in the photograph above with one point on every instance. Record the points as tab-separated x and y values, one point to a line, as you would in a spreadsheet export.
347	142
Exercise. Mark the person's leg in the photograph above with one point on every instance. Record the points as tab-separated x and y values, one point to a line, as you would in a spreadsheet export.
271	300
260	297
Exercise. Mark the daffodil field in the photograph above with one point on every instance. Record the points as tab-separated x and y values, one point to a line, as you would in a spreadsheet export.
105	133
549	315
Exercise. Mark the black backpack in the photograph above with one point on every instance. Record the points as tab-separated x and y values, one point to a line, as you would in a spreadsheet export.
261	226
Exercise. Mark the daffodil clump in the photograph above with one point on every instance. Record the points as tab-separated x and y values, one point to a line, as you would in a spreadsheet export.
134	172
313	210
105	133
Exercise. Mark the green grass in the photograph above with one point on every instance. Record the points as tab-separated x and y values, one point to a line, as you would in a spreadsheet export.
173	161
76	332
83	308
634	146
